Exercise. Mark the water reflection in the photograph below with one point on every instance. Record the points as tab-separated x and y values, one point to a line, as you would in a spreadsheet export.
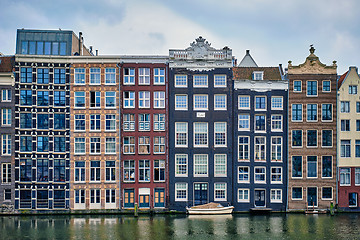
291	226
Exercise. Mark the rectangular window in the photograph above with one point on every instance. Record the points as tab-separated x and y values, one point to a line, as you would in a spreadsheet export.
144	122
95	122
7	194
144	145
260	123
243	175
243	122
296	112
110	99
144	170
59	144
345	177
129	145
257	75
159	76
260	103
110	196
110	122
79	75
312	166
220	191
42	75
26	75
59	98
276	195
326	138
24	47
6	95
326	112
159	99
181	161
26	98
276	122
244	102
59	170
129	122
326	166
357	107
200	102
220	80
276	175
59	76
79	147
220	134
42	170
353	198
95	99
326	86
95	196
26	144
144	99
159	145
144	76
181	81
79	122
243	195
352	89
220	165
129	99
79	99
79	171
110	145
357	125
296	193
326	193
129	76
260	150
95	144
357	176
311	88
259	175
43	98
181	134
312	112
297	167
25	170
110	171
357	148
95	76
95	171
59	121
110	76
200	134
200	165
296	138
6	117
6	173
219	102
345	125
345	148
42	144
311	138
181	102
80	196
200	81
297	86
129	170
276	103
276	148
344	106
159	122
243	148
181	191
25	120
159	170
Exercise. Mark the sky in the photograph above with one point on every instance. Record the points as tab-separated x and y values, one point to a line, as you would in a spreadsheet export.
275	31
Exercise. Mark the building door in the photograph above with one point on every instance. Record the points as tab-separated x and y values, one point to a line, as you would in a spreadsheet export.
144	201
312	196
129	196
259	198
159	197
200	193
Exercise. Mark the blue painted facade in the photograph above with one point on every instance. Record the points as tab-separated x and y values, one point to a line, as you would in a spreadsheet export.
259	176
188	185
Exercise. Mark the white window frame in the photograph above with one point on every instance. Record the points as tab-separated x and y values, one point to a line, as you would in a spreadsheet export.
181	105
302	193
111	118
198	166
276	174
184	187
144	142
144	76
244	174
322	191
205	100
159	141
220	187
345	175
176	81
129	79
219	85
82	174
159	99
95	76
178	164
129	145
110	141
307	167
244	146
183	131
357	176
274	149
317	88
77	145
277	194
262	131
130	100
260	109
79	76
6	145
202	85
109	95
110	76
223	105
78	93
6	95
6	173
258	174
158	76
243	190
220	165
200	132
158	124
6	117
242	102
258	149
95	145
274	103
300	86
128	124
222	126
244	120
144	99
276	122
258	75
323	85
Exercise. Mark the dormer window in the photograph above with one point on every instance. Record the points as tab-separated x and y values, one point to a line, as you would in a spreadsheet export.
258	75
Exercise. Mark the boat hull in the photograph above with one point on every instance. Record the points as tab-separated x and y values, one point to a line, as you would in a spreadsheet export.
211	211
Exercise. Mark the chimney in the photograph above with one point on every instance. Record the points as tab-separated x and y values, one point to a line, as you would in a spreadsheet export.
80	43
96	52
248	52
91	48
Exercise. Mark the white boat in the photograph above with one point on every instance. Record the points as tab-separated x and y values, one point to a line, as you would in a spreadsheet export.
210	209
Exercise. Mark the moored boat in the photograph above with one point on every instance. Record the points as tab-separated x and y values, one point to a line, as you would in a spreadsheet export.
210	209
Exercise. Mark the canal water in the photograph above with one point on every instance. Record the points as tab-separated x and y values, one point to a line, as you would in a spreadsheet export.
242	226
